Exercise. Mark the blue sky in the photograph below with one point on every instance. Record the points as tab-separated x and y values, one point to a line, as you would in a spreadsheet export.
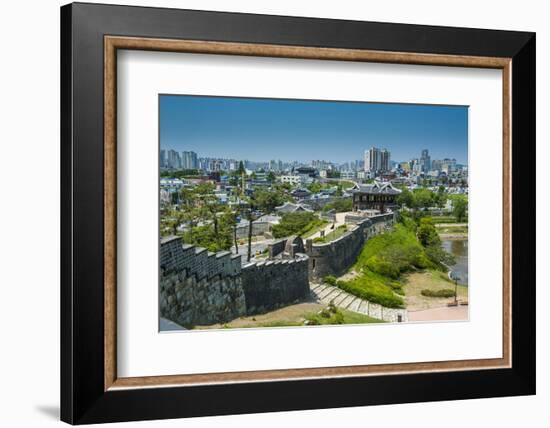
264	129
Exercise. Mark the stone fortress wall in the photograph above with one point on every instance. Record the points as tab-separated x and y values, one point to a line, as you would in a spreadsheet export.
335	257
198	287
274	283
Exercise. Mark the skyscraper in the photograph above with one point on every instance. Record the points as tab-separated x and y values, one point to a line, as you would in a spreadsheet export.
189	160
384	160
162	159
425	161
372	159
173	159
377	160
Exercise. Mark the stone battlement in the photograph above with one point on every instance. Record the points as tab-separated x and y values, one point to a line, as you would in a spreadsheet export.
176	256
198	287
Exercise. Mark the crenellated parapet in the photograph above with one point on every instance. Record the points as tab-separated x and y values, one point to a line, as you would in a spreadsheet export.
198	287
176	256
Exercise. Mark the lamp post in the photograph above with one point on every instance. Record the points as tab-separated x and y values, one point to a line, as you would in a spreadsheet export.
456	277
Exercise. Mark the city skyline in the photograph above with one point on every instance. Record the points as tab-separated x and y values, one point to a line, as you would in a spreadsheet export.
260	130
197	157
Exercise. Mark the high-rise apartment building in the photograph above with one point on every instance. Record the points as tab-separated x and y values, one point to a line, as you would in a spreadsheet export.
377	160
173	159
189	160
425	161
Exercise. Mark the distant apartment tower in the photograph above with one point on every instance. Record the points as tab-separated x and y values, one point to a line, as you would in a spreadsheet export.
189	160
275	165
162	159
385	160
425	161
377	160
437	165
173	159
448	165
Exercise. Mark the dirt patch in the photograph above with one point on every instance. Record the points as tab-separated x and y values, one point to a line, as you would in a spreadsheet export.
289	315
415	282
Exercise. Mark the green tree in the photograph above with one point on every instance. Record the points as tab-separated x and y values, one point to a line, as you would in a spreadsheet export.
265	202
294	224
314	187
460	208
241	170
208	222
427	233
339	205
170	221
423	198
406	199
441	197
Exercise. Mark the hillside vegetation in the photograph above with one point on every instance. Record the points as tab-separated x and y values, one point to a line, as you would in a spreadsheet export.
413	245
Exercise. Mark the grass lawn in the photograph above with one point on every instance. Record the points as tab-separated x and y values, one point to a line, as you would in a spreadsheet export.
452	229
445	219
314	227
342	316
334	235
374	288
434	280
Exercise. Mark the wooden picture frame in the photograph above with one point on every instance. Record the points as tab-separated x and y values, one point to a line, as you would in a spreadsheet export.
91	390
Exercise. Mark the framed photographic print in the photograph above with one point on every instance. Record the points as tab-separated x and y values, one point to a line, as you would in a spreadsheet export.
316	212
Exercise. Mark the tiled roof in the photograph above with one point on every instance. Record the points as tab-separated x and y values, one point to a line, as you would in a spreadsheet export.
289	207
377	188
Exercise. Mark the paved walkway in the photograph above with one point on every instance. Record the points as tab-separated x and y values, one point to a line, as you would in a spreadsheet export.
447	313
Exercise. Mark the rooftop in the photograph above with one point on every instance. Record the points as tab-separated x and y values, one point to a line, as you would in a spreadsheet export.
289	207
376	188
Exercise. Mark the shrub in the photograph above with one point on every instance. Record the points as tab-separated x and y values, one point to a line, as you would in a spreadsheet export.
330	279
446	292
296	223
382	267
407	221
325	313
330	315
399	248
427	233
422	261
373	288
439	256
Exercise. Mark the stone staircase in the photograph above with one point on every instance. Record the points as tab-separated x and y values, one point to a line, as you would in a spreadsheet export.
326	293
